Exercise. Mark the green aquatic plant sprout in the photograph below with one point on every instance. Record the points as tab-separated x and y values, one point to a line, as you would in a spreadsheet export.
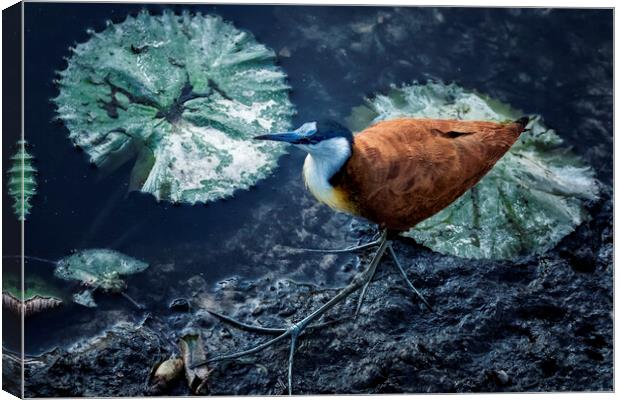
180	94
98	269
21	180
530	200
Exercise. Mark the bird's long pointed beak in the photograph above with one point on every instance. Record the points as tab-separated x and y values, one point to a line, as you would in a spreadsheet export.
288	137
293	137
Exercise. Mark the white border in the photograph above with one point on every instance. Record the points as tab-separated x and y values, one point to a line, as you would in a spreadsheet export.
478	3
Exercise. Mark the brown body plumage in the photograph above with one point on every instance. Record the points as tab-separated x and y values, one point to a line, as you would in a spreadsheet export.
403	171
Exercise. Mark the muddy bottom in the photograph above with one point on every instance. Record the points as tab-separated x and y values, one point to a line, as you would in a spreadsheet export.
538	324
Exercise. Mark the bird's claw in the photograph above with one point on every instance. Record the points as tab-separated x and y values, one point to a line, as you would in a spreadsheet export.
400	269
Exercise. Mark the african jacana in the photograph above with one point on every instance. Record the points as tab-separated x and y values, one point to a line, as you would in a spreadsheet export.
395	173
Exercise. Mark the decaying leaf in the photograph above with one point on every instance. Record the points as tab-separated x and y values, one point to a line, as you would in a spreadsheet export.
165	373
192	351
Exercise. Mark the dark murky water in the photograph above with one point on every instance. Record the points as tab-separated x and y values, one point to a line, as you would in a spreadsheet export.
557	63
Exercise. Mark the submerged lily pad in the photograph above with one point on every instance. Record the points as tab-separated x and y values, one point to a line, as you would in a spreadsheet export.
181	95
97	269
39	293
530	200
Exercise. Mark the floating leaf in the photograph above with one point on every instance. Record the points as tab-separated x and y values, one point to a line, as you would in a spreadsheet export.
181	95
39	293
97	269
33	305
21	180
530	200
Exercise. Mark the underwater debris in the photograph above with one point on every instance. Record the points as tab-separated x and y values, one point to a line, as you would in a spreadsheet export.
180	94
98	269
21	180
192	351
179	305
163	374
530	200
40	294
85	298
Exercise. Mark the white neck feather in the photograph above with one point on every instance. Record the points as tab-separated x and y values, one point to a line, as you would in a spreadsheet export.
323	161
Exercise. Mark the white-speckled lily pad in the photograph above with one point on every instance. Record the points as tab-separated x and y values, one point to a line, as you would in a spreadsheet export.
526	204
180	94
97	269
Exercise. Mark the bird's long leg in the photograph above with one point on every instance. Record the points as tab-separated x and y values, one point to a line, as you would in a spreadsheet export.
376	241
296	329
404	275
358	281
360	300
247	327
337	251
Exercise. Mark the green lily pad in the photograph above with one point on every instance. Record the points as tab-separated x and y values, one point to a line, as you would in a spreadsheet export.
97	269
181	95
530	200
35	285
39	293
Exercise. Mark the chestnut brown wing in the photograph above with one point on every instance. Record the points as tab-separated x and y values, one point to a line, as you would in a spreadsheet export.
403	171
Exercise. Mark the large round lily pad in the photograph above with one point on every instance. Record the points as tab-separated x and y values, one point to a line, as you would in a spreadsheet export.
530	200
180	94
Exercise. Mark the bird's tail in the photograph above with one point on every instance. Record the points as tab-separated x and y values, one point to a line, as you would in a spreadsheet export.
523	121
